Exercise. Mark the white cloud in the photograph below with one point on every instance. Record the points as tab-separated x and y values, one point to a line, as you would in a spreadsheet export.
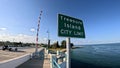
45	39
3	29
53	41
17	38
32	30
42	40
22	38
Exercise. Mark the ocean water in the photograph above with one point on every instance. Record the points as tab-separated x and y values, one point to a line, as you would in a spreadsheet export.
96	56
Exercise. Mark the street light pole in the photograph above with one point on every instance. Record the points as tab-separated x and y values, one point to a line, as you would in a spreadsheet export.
48	39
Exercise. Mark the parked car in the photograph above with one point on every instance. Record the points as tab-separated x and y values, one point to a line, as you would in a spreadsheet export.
7	47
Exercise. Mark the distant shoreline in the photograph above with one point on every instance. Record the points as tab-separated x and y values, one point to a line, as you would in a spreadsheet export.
64	49
75	47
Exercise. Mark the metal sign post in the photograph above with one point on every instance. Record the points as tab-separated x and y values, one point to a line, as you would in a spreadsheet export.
68	53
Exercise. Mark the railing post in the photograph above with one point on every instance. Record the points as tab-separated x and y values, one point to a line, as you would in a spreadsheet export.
51	61
58	53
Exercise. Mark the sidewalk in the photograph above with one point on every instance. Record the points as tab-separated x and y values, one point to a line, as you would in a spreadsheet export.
39	62
46	62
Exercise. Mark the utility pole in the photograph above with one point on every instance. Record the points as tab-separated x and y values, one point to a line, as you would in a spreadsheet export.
39	18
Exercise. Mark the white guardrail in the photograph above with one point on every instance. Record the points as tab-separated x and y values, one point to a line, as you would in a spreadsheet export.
12	63
58	60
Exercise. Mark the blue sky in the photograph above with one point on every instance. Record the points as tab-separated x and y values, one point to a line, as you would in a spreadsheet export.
100	18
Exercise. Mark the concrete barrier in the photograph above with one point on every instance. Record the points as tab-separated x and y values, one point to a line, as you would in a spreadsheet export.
12	63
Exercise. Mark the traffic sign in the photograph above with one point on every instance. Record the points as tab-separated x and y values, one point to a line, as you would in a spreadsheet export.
70	27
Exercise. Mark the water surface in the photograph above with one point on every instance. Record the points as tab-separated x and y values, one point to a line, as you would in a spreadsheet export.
96	56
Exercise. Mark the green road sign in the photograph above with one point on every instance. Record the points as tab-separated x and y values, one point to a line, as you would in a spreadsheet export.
70	27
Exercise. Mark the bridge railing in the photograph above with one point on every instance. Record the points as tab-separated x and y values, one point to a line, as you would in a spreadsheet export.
54	63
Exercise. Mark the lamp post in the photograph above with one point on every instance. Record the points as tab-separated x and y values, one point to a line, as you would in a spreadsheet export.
48	40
